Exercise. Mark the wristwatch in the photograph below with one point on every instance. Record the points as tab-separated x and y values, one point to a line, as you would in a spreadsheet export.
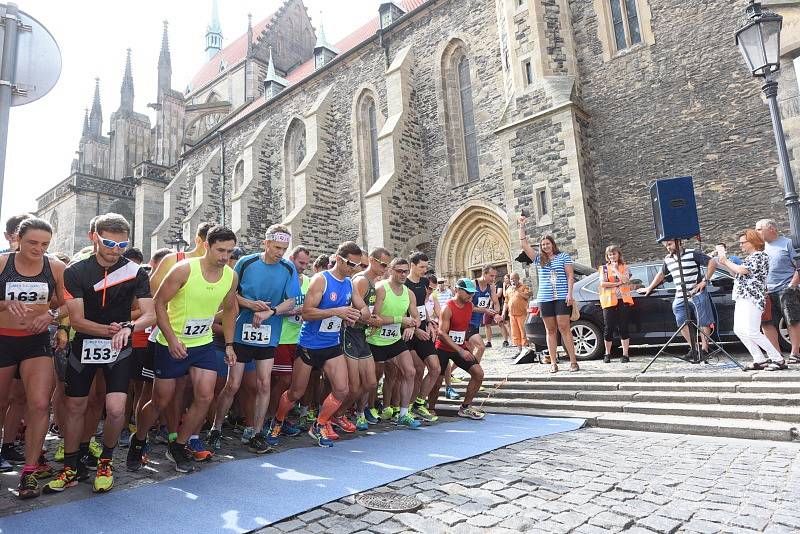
129	324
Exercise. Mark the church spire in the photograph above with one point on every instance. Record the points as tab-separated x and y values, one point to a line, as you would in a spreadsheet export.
249	34
273	84
96	115
126	91
85	130
324	52
164	63
214	32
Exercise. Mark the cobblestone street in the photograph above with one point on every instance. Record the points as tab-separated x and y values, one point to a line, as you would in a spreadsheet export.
591	481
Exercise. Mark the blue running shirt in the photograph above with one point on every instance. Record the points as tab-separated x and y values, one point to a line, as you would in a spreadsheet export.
325	333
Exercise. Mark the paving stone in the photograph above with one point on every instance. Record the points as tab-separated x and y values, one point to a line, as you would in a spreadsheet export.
375	517
518	523
749	521
571	519
698	525
659	523
484	520
452	517
289	526
611	520
313	515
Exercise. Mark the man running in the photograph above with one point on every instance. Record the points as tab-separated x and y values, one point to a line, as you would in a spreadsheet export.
100	291
484	300
265	280
454	345
329	303
421	344
186	304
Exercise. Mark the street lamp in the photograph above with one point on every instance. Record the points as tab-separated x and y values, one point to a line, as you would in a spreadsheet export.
759	41
179	243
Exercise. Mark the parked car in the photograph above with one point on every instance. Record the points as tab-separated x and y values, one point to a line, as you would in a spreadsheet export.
652	322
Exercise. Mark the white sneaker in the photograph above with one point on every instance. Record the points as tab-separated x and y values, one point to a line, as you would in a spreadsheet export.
248	433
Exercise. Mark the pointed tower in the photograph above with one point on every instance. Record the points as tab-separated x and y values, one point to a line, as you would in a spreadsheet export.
250	77
126	91
389	12
273	84
96	115
213	33
164	64
324	52
85	131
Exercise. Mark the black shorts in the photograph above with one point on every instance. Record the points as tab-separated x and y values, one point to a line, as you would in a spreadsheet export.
422	347
355	344
471	331
785	305
248	353
552	308
445	356
144	363
15	349
384	353
79	377
316	358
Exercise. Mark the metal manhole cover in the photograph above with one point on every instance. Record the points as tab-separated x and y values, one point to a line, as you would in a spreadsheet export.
389	502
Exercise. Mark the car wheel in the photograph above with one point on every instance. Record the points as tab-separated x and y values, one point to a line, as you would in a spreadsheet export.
783	339
588	340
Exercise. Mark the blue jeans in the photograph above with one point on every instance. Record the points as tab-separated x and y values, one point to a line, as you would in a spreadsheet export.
701	303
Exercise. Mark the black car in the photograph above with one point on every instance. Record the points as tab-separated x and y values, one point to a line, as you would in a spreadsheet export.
652	321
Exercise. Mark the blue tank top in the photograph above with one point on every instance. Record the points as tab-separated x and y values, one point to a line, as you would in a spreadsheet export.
482	299
325	333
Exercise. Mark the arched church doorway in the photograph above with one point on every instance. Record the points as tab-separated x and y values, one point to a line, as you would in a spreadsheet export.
475	235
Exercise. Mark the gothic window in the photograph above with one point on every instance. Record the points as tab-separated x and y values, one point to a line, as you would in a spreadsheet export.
459	110
54	221
238	177
623	25
366	139
625	18
294	152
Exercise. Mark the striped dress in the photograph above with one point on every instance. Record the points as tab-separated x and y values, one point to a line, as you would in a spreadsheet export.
553	283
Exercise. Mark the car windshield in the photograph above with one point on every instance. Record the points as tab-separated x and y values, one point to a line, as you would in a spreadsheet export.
639	278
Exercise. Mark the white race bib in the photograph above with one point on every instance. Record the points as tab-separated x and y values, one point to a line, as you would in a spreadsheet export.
422	313
483	302
257	336
296	319
331	324
371	309
148	330
29	292
98	351
457	336
390	331
197	327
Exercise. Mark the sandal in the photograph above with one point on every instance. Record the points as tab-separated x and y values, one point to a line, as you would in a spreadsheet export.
573	368
776	366
554	368
754	366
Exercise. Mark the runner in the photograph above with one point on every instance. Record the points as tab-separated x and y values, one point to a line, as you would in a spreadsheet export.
100	291
396	310
422	344
329	303
186	304
454	345
484	300
265	279
30	283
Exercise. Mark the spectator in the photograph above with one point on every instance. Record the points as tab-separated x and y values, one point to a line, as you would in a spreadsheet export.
322	263
516	307
749	293
556	278
443	292
782	282
489	320
134	254
615	299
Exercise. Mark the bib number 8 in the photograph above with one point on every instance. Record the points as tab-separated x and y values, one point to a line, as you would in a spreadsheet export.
331	324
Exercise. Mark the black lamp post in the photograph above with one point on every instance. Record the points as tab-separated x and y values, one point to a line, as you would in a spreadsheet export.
759	41
179	243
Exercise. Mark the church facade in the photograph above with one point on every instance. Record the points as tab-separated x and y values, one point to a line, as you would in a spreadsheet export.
433	125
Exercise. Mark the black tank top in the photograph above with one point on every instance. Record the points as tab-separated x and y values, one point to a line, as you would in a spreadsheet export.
369	298
38	289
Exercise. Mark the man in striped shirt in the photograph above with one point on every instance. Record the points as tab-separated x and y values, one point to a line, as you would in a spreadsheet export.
692	262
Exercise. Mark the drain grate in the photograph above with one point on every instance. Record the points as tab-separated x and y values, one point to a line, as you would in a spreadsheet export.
388	501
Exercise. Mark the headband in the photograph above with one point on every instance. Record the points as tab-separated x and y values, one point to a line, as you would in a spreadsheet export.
281	237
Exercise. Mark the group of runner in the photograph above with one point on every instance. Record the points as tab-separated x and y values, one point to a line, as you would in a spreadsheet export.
169	348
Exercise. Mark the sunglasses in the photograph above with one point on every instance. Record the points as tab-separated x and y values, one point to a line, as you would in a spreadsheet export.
110	243
401	271
353	264
381	263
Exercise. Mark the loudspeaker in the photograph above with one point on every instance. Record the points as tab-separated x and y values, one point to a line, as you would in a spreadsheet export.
674	208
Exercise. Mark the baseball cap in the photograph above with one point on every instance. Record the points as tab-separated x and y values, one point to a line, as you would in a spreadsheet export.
466	284
237	253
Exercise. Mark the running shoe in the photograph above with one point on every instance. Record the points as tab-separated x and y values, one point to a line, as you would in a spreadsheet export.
387	414
451	394
295	411
13	454
43	469
289	430
454	378
505	343
5	465
320	434
330	432
162	435
488	344
424	414
180	456
343	424
471	413
371	416
125	437
199	451
136	454
214	440
311	416
361	423
28	486
59	455
89	461
409	421
258	444
54	430
248	434
275	429
95	449
64	479
104	479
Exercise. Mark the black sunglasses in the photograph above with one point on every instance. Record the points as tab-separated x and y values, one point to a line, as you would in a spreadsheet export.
353	264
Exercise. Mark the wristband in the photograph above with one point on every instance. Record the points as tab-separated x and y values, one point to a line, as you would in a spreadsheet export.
228	345
129	325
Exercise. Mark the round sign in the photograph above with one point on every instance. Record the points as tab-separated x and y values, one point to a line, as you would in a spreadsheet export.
38	61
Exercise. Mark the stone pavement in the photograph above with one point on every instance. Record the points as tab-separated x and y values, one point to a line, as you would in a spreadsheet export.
590	481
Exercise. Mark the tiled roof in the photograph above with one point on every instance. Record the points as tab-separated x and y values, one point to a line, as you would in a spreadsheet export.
230	55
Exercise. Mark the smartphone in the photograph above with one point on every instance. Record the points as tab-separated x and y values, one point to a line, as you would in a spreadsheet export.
524	212
720	251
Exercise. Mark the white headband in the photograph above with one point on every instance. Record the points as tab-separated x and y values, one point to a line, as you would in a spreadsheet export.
281	237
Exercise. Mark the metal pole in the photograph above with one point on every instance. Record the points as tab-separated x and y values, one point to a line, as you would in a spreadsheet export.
790	198
9	65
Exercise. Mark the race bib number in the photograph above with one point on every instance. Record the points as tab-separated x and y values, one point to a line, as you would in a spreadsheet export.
296	319
98	351
422	313
458	336
257	336
30	292
371	309
483	302
390	331
197	327
331	324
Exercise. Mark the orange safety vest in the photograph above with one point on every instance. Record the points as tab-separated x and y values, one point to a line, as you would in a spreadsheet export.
608	295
